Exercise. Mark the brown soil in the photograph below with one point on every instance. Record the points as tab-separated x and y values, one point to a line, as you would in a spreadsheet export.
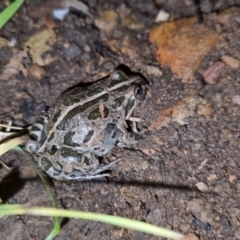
158	187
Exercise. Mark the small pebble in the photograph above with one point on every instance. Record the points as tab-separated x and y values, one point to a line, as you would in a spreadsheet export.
37	71
131	22
212	73
231	62
204	225
162	16
60	13
152	70
50	23
12	42
236	99
73	51
86	48
203	187
107	21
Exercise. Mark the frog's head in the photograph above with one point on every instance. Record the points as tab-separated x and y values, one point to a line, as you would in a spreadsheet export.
131	91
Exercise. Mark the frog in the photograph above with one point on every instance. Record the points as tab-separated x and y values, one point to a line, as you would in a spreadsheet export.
69	140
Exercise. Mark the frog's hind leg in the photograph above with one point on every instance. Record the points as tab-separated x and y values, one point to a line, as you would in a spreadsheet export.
94	174
76	166
37	133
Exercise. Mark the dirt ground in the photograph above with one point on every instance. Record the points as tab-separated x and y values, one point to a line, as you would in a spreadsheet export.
180	176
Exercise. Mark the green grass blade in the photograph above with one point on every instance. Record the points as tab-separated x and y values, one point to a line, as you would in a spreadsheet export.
57	224
10	144
114	220
9	11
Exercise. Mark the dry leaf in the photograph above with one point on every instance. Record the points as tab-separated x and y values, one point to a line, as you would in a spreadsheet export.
204	109
187	107
163	120
14	66
39	43
182	46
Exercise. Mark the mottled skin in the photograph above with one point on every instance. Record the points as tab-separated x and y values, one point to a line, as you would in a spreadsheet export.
85	124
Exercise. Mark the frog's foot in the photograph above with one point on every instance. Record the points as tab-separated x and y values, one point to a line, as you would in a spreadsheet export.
128	140
106	167
134	121
128	133
89	177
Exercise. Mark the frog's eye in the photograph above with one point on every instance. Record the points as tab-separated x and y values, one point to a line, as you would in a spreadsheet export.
119	76
137	92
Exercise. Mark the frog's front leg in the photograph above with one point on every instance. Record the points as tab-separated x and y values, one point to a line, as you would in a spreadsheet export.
127	138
